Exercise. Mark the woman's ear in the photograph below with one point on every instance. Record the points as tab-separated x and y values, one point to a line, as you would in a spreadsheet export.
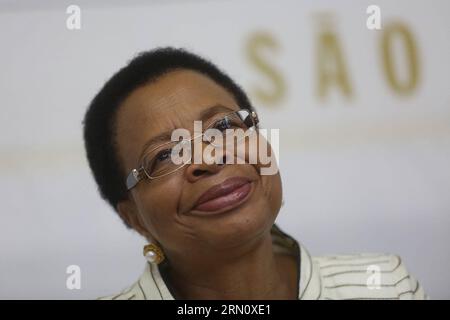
129	213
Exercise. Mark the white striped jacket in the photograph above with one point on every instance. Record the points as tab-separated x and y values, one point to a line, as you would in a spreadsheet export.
357	276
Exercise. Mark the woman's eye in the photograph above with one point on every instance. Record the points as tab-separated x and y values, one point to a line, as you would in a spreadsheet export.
223	124
163	155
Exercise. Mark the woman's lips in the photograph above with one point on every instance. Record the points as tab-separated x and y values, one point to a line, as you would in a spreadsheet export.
226	195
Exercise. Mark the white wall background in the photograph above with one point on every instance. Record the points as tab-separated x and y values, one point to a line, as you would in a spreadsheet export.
367	174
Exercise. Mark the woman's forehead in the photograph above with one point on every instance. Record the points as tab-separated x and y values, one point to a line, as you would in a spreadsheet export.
178	96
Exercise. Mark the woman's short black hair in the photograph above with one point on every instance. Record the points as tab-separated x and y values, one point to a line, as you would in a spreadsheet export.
99	121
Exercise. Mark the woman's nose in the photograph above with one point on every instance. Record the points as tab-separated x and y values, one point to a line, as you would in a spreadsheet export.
196	171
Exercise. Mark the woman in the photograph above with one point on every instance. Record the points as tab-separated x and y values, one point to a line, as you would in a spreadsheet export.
210	225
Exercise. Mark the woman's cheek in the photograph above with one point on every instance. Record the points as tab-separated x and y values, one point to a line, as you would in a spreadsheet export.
277	193
157	206
272	189
261	155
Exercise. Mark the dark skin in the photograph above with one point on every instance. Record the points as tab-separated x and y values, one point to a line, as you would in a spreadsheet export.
224	256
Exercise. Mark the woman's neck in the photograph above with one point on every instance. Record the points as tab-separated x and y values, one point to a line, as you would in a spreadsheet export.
257	273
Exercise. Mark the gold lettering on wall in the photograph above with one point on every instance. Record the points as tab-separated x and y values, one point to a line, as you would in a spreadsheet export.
256	45
331	68
400	32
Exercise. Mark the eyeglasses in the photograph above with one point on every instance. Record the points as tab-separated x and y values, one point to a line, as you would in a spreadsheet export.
157	162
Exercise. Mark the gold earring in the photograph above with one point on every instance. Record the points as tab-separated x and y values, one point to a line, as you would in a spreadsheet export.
153	253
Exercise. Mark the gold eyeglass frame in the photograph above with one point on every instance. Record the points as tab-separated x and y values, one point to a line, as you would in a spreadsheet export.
137	175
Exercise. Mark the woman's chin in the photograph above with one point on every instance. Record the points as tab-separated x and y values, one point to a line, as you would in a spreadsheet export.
238	229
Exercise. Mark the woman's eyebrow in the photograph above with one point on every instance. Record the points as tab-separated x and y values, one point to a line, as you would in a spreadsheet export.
166	136
218	108
160	138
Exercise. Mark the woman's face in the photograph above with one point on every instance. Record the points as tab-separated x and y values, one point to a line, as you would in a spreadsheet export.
164	209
